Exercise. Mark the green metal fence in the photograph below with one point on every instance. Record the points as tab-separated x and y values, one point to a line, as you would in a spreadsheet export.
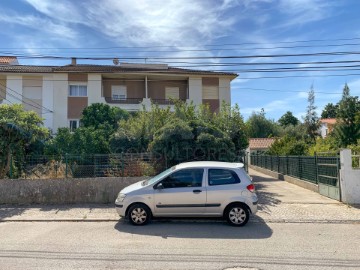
314	169
81	166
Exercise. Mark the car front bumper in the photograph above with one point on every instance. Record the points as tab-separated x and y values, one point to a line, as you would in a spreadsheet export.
120	209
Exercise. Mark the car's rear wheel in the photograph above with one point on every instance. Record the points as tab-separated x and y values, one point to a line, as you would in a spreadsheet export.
139	214
237	215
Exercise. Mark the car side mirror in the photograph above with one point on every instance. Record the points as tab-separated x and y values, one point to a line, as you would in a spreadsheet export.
159	186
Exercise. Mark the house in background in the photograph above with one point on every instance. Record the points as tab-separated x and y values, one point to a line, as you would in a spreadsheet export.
59	94
326	126
259	145
8	60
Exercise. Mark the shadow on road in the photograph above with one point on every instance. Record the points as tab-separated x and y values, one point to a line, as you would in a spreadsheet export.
190	228
266	198
6	212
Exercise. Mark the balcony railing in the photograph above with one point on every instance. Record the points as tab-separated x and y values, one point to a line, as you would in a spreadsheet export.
124	100
164	101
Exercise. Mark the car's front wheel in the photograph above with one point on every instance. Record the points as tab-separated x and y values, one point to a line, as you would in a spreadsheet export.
237	215
139	214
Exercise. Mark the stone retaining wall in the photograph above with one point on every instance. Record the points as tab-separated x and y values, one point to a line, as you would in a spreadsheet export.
63	191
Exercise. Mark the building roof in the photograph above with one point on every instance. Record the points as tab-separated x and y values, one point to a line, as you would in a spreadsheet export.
261	143
80	68
8	60
330	121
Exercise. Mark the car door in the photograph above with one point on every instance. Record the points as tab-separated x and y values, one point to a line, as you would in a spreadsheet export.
222	185
181	194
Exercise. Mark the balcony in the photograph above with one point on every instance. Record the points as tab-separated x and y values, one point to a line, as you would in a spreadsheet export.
164	101
124	100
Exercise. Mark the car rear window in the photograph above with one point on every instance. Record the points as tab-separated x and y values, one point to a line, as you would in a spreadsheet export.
222	177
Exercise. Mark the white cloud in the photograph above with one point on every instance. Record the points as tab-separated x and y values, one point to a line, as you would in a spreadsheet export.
304	11
52	29
143	22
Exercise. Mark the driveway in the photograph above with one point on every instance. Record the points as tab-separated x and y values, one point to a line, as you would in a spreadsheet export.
280	201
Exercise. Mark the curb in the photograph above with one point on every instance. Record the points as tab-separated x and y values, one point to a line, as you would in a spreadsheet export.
255	221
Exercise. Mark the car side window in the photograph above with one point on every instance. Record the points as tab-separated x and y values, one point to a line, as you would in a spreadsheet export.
184	178
222	177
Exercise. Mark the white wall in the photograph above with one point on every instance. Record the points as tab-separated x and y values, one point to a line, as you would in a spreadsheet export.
14	87
60	86
224	90
195	90
48	101
349	179
94	89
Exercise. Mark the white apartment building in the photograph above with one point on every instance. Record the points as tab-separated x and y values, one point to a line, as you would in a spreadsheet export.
60	93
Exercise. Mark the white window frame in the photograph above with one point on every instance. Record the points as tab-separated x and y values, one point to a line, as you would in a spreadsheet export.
77	124
77	94
119	96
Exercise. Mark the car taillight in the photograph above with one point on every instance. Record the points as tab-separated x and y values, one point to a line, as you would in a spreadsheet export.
251	188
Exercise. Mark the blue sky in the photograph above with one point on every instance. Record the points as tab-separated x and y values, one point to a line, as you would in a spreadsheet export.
200	28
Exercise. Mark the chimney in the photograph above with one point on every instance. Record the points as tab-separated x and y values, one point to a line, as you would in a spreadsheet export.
73	61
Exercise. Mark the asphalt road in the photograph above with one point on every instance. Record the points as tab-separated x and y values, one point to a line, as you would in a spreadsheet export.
178	245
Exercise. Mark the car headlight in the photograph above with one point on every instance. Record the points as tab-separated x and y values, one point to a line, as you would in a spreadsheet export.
120	198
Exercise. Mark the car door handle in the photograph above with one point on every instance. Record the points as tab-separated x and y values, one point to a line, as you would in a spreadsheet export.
197	191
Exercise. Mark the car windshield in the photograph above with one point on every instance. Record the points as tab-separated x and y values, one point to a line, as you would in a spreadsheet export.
158	177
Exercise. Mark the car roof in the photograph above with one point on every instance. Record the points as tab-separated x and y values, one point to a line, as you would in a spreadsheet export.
217	164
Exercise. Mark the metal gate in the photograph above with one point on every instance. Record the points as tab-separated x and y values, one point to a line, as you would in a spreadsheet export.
328	168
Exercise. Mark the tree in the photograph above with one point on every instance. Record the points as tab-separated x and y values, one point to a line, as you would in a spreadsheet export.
99	115
232	123
347	130
329	111
260	127
19	130
311	120
288	119
288	146
83	141
173	142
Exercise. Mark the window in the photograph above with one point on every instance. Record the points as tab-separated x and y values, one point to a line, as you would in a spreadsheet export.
210	92
172	93
118	92
222	177
74	124
77	90
184	178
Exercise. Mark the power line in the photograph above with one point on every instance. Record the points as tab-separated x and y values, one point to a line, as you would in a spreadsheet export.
191	57
288	91
299	76
24	101
197	46
200	50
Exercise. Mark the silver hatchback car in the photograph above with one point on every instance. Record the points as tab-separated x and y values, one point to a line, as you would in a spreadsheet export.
193	189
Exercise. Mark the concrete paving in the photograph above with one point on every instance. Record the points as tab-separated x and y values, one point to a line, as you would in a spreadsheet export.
279	201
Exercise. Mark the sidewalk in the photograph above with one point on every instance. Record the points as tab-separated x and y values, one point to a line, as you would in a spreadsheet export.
279	202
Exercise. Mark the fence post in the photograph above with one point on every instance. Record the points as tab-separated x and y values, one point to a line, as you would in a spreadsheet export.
278	167
122	164
317	169
66	166
300	170
287	165
11	166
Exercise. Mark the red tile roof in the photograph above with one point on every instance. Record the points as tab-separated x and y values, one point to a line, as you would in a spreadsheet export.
331	121
261	143
6	60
